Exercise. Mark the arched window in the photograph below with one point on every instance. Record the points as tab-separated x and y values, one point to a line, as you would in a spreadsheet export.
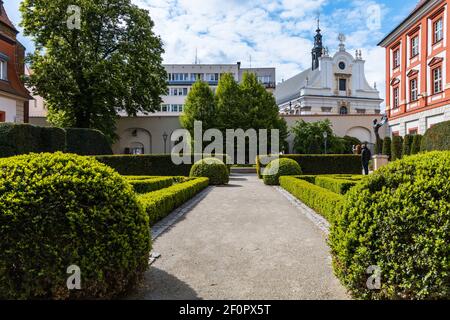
343	110
2	116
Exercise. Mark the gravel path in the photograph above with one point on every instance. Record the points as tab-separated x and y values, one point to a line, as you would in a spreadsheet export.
242	241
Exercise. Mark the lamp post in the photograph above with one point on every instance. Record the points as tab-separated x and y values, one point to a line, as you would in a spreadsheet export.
165	136
325	136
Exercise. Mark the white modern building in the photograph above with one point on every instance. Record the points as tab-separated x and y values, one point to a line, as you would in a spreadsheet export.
334	85
183	76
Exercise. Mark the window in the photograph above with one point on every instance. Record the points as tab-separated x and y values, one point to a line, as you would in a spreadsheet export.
164	108
343	111
413	89
3	70
438	33
342	84
437	80
414	46
414	131
176	108
196	76
396	61
265	79
178	77
212	77
179	91
396	97
2	116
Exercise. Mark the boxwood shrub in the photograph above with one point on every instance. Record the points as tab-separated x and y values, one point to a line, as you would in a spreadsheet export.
396	148
59	210
319	164
399	220
387	147
324	201
437	137
211	168
278	168
336	185
407	145
417	141
160	203
150	185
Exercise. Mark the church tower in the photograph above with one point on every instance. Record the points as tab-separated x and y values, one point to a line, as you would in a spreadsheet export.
317	51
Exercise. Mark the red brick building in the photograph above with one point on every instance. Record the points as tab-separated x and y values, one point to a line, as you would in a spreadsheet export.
14	96
418	70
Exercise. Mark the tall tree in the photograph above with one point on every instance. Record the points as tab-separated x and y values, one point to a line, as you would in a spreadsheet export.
200	105
309	137
109	62
229	100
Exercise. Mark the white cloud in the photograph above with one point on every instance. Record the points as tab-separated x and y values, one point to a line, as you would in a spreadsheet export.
275	33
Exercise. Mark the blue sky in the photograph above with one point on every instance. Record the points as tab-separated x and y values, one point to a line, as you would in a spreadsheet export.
267	32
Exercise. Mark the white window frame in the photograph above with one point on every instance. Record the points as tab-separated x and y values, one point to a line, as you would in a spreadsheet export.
438	29
414	89
437	80
3	70
415	46
396	97
396	58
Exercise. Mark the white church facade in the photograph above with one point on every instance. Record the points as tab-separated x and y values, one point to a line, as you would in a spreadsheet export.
334	85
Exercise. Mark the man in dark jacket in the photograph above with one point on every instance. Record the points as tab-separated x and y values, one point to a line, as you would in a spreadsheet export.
366	156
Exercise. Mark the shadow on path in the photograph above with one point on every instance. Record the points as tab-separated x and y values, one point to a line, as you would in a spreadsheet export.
160	285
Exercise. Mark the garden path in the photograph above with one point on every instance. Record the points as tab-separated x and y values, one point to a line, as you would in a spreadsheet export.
242	241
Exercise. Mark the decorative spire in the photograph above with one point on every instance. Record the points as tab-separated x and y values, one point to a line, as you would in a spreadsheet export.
318	49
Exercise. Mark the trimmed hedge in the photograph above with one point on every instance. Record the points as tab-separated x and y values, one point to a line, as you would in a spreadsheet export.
59	210
336	185
321	164
387	147
160	203
325	202
407	145
145	186
147	165
211	168
17	139
396	148
87	142
278	168
437	137
399	220
417	141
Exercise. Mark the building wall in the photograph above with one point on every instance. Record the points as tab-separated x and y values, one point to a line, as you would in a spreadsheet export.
149	132
410	113
9	107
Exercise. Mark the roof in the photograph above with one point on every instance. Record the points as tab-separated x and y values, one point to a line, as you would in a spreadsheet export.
5	19
419	5
290	89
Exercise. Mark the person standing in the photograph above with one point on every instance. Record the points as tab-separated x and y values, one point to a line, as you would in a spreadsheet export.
366	156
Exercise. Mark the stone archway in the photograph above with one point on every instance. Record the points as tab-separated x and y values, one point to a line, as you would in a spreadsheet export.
133	137
362	133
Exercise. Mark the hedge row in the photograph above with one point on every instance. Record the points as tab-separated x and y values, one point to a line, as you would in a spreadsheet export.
147	165
160	203
437	137
150	185
325	202
336	185
319	164
18	139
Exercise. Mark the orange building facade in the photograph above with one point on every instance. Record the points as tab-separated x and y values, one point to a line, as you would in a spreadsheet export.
418	70
14	97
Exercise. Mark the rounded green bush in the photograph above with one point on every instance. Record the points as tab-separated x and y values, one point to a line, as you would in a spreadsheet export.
397	219
437	137
211	168
61	210
279	168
